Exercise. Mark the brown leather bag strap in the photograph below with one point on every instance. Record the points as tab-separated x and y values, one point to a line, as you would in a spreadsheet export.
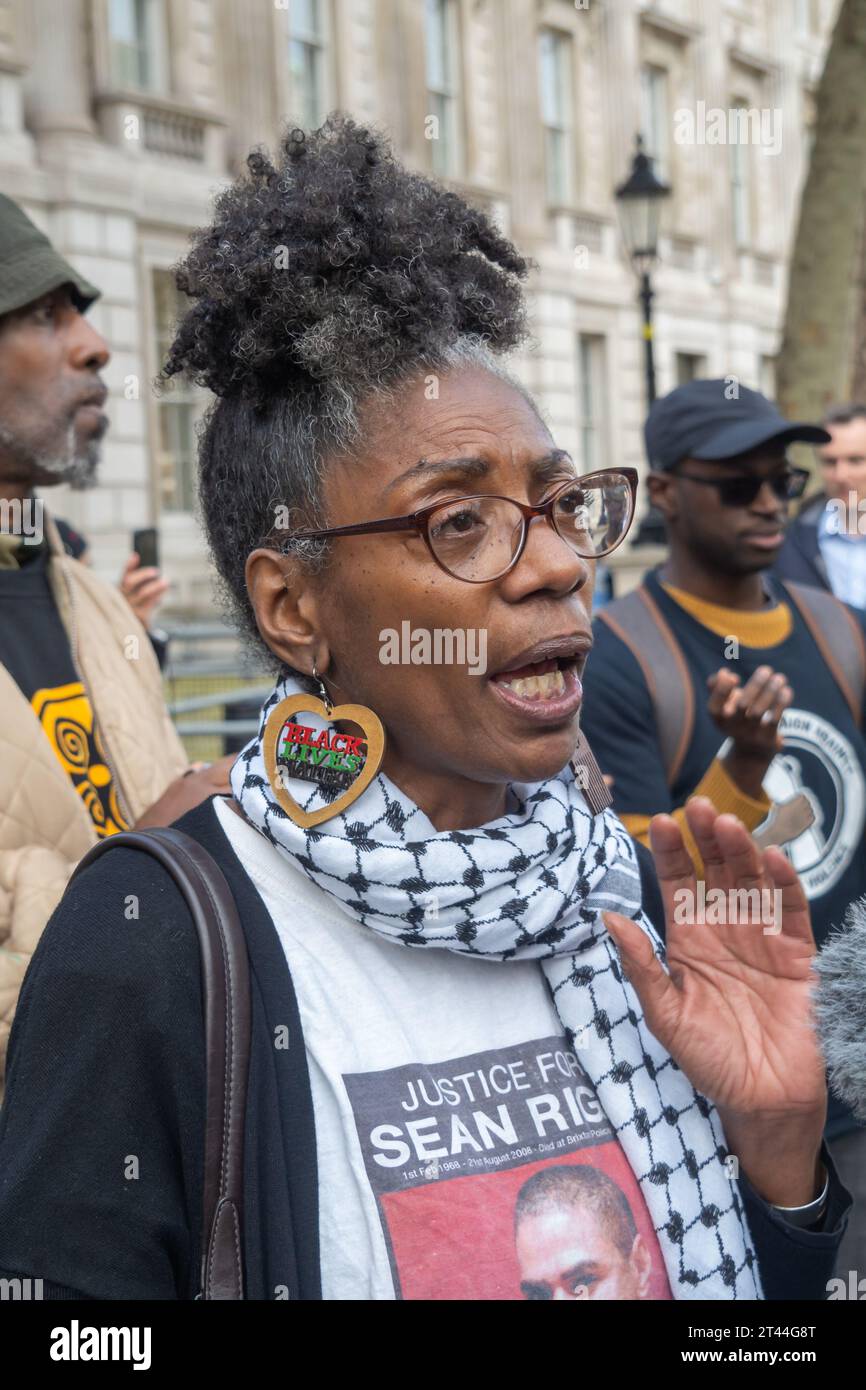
227	1019
839	639
638	622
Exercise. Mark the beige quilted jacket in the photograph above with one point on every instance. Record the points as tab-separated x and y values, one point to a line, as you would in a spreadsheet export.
44	826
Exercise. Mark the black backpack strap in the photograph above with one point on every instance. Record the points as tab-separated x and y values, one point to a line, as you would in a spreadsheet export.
227	1018
638	621
838	637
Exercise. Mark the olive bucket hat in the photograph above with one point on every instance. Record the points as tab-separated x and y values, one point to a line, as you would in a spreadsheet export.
29	265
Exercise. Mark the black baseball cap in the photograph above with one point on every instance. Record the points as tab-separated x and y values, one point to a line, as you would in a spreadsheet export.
717	420
29	265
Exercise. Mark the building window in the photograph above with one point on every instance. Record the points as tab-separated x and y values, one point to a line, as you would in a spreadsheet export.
741	191
308	48
655	126
689	367
591	400
557	106
442	39
178	405
139	55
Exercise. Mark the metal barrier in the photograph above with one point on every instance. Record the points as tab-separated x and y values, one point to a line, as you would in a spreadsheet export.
213	690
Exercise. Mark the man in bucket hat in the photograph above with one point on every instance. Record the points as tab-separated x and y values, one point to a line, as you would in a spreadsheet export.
58	433
30	266
86	744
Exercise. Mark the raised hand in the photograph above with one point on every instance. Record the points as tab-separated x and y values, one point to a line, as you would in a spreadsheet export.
749	715
735	1012
143	588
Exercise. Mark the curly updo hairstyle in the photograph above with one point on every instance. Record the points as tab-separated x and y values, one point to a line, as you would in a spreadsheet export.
325	279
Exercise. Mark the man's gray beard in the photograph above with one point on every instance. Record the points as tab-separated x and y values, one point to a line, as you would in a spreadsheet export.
77	468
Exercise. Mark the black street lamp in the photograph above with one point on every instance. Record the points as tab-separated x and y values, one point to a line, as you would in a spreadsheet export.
639	201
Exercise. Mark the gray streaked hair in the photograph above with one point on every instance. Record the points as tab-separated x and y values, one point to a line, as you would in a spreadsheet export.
326	282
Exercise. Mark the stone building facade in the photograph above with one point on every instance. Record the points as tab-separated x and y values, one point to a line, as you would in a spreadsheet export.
120	118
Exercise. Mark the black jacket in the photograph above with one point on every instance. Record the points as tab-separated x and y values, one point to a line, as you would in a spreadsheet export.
800	559
101	1135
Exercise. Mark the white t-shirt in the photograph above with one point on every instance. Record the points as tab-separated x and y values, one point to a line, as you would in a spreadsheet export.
462	1153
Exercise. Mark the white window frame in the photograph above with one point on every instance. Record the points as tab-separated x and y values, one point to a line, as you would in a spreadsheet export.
175	393
150	46
697	359
442	41
655	117
314	45
556	105
592	413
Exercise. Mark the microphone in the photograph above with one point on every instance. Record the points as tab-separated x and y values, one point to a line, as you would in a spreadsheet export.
840	1008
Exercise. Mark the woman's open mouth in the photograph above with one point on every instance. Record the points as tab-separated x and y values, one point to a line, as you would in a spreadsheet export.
545	691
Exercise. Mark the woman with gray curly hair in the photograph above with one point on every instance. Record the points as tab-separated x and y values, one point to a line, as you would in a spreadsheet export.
455	984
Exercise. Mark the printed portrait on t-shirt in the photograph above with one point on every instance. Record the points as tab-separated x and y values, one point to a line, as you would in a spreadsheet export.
498	1176
576	1237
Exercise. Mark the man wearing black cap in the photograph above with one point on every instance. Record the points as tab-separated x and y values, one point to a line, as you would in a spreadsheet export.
86	744
713	677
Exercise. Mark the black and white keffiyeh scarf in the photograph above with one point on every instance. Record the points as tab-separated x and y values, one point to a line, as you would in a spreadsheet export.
533	884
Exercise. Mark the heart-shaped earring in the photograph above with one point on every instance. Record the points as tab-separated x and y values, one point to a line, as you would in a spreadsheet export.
331	760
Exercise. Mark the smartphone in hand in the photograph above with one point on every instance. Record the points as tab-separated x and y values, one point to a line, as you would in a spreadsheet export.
146	544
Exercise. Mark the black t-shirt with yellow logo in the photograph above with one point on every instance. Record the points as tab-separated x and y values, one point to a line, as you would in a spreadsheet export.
34	648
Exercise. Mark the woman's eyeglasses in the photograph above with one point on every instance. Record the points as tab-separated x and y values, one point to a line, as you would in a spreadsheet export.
481	538
741	489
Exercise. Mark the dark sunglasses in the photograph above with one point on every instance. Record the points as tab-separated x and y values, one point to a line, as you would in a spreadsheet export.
741	489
